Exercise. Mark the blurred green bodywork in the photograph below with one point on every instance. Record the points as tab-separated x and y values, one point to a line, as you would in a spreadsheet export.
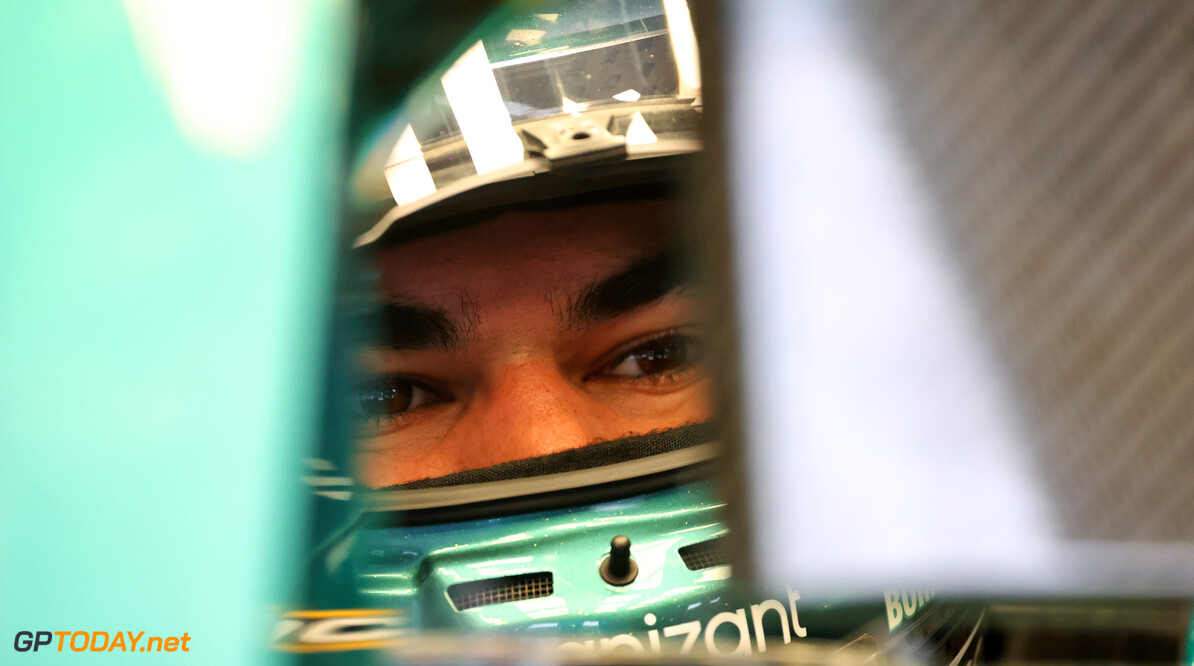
164	294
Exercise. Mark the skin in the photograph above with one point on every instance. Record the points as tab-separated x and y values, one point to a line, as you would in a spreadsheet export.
526	374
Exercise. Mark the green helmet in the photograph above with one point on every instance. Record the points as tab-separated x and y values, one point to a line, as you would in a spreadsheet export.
561	99
619	545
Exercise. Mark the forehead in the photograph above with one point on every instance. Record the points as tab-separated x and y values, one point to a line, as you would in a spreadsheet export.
525	250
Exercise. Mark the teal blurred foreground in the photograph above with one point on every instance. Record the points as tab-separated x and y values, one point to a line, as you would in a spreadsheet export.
166	199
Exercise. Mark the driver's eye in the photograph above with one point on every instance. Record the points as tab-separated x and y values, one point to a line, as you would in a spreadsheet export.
390	397
659	358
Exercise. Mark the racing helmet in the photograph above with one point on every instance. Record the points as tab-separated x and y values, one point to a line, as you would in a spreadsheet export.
549	105
615	546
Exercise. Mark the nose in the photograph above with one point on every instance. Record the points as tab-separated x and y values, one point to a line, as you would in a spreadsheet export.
528	409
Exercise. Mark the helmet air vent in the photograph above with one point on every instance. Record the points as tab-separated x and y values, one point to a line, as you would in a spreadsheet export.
619	568
705	555
491	591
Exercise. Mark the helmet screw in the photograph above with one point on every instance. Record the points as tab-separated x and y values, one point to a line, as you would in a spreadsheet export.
619	568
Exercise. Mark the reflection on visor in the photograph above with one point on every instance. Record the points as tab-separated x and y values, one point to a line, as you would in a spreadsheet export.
600	79
477	104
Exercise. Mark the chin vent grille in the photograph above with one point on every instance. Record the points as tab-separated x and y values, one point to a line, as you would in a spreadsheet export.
500	590
705	554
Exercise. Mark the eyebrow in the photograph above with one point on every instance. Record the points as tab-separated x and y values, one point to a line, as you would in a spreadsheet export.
404	326
644	281
412	327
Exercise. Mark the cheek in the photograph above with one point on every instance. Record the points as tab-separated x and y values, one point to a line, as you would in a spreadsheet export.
646	411
392	466
411	453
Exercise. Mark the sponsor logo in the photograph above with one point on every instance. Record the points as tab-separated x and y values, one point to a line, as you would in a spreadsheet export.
735	639
903	604
336	630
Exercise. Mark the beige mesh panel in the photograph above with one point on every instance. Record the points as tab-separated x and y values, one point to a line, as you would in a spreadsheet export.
1058	138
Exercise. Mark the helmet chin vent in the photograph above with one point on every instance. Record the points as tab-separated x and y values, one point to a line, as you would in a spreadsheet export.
477	593
705	555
